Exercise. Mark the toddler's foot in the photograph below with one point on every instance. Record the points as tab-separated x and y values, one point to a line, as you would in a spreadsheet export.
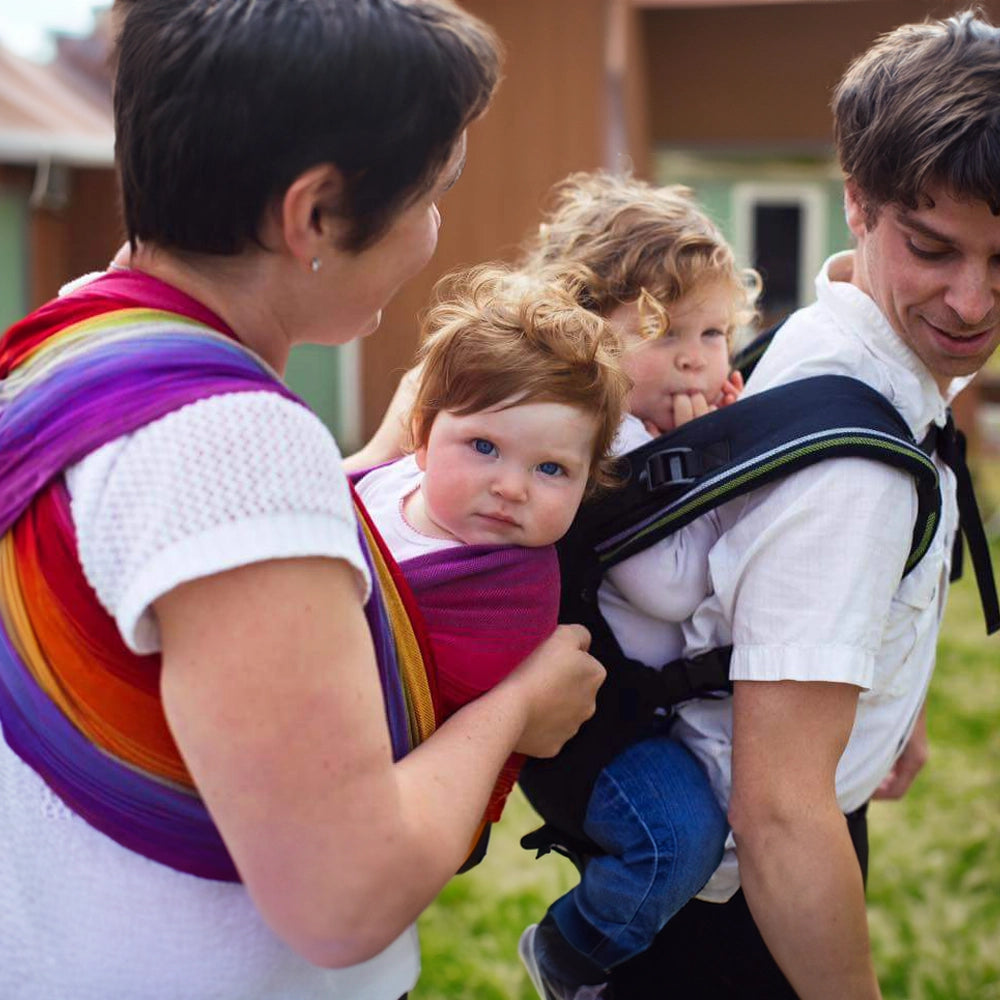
542	978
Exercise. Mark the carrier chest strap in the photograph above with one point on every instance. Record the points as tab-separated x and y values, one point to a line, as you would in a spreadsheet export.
694	677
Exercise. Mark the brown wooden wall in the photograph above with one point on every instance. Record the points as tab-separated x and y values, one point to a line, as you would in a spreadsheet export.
762	75
593	83
66	242
585	82
547	120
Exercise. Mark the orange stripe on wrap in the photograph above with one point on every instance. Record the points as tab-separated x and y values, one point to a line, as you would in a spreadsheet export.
109	693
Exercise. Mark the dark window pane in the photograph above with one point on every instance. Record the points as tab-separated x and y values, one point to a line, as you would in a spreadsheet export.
777	246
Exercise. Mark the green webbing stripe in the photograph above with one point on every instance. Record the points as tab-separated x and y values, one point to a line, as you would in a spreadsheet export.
925	540
729	485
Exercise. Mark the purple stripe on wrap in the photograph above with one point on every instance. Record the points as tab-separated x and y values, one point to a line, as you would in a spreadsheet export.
475	587
144	815
112	391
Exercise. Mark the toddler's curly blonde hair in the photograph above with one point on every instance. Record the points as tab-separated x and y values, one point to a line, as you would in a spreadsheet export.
635	242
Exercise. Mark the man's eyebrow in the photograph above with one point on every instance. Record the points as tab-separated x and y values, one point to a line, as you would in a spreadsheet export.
922	228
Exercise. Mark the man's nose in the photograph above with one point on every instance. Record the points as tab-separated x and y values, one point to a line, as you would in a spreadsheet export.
974	293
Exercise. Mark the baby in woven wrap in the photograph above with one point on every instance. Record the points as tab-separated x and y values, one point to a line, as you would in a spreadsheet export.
519	399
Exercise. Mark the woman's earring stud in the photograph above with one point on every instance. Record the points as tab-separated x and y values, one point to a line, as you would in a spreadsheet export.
314	264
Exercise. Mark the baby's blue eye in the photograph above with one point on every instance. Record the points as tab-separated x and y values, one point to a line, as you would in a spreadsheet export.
550	468
483	446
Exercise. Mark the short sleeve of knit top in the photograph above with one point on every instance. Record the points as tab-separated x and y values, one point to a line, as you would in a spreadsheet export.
220	483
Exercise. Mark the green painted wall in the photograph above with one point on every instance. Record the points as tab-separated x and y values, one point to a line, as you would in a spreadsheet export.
838	235
313	372
714	197
713	177
13	254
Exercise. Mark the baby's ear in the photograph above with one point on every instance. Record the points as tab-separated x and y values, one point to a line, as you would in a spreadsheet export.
420	454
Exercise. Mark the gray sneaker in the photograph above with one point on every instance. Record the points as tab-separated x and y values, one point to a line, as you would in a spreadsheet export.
550	989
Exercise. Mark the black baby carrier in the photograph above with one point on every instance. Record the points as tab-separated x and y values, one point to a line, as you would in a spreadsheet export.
678	477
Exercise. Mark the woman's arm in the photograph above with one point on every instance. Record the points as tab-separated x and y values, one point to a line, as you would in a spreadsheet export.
271	690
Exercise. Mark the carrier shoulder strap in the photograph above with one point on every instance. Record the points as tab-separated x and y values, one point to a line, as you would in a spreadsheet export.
668	483
745	360
948	442
759	439
681	475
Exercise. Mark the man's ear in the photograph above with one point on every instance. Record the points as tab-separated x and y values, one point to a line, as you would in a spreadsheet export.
854	211
306	215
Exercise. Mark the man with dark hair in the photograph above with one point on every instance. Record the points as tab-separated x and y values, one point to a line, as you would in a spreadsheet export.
833	647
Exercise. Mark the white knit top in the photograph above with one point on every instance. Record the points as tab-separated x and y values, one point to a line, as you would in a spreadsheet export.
220	483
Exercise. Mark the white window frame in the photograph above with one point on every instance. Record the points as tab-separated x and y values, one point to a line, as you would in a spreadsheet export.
811	200
349	396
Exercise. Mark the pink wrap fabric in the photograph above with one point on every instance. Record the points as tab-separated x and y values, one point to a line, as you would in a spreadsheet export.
486	608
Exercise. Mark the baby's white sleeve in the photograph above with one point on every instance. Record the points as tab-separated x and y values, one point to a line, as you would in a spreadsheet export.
669	579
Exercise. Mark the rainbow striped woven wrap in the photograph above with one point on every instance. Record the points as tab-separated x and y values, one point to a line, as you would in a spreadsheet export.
75	704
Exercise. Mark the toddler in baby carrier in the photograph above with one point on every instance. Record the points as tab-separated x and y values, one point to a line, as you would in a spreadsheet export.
668	483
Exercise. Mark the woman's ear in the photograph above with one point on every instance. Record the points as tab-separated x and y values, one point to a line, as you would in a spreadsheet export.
309	224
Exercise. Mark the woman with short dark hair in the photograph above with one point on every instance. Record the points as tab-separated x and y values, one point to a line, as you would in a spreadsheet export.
220	769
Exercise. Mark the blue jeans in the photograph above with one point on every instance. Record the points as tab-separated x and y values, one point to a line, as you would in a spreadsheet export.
654	813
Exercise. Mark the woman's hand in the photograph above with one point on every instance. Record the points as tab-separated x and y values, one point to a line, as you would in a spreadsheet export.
277	709
559	683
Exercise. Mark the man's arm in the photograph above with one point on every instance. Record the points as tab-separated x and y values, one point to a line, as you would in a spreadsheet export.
799	872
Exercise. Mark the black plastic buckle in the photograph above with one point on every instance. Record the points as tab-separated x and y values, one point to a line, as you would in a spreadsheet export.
669	467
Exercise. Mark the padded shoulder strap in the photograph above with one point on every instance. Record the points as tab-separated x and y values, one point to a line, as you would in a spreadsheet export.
745	360
679	476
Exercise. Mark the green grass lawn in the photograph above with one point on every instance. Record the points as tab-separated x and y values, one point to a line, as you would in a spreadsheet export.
934	892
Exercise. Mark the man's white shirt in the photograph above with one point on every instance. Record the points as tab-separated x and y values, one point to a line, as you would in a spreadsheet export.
806	577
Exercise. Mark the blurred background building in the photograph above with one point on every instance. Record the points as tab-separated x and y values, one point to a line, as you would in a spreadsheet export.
728	96
58	203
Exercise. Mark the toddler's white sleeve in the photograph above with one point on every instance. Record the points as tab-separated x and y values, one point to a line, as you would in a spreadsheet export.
669	579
